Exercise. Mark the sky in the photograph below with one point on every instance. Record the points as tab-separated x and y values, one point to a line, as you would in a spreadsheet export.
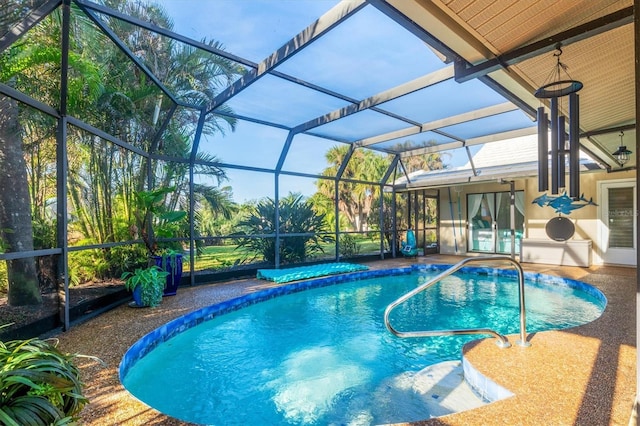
253	29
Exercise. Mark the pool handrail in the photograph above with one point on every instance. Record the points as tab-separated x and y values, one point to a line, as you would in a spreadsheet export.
501	340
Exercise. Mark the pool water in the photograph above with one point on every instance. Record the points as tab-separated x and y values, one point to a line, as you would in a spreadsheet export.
324	356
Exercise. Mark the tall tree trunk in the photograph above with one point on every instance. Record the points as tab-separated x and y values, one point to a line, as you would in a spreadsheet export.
15	208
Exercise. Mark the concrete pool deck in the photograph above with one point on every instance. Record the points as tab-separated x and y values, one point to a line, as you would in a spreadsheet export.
580	376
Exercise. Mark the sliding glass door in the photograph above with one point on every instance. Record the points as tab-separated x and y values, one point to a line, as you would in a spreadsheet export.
490	224
480	211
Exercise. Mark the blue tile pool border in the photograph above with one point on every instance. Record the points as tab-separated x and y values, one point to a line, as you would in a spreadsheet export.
165	332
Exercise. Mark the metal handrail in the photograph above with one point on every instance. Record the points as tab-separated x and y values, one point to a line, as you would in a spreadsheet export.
502	341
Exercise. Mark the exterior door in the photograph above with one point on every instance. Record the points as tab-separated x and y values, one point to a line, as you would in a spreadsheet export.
481	224
489	221
618	222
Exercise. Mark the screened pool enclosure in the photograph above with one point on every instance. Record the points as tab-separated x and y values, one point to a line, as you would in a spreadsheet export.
277	127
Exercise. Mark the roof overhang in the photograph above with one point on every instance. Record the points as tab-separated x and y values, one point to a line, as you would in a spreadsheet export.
512	43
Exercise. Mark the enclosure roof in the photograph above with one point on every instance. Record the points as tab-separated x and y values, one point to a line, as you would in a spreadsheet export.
401	77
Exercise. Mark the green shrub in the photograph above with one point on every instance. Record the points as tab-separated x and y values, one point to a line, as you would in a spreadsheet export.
348	246
4	279
106	263
39	385
297	216
127	258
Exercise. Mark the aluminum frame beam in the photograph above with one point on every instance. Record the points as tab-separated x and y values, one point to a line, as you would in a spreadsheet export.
199	45
162	31
436	124
27	100
445	50
30	21
125	49
394	93
526	131
326	22
104	135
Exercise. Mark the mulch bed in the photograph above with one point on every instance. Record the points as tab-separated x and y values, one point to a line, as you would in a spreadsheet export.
35	320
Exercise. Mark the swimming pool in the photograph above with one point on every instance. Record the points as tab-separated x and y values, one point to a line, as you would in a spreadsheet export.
323	356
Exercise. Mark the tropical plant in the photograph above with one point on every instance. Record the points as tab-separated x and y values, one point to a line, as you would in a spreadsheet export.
296	216
27	142
103	176
358	201
348	246
39	385
215	210
157	220
354	199
151	281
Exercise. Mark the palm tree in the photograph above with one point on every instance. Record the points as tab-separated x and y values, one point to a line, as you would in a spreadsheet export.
29	65
354	199
113	96
431	161
133	108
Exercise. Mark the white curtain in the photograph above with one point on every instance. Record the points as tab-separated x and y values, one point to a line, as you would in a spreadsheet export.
475	201
520	201
498	200
492	206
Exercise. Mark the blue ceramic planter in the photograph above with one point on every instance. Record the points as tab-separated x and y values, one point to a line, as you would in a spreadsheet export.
173	265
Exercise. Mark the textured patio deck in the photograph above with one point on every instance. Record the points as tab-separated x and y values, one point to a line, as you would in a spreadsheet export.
581	376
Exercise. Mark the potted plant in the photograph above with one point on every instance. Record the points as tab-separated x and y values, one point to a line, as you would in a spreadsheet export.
146	284
156	220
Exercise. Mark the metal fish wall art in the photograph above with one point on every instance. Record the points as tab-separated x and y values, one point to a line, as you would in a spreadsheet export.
563	204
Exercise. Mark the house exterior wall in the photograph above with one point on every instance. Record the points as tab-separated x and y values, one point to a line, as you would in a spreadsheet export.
584	219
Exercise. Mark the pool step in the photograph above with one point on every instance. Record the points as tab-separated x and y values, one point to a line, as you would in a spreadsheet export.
444	390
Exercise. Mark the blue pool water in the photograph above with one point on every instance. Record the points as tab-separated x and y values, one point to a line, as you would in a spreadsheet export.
323	355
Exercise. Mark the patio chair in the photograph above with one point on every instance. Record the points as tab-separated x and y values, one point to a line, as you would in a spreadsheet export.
409	248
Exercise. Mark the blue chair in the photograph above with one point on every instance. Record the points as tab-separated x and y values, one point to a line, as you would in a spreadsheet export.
409	248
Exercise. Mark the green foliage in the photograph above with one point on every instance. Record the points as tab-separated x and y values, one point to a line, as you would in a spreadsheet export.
4	279
156	219
216	212
151	281
296	216
39	385
348	246
44	234
126	258
87	265
387	218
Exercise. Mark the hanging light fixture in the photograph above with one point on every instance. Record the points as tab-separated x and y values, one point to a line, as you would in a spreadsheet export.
558	88
622	153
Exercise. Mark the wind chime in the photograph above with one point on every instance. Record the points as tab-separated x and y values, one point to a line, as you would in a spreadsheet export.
557	89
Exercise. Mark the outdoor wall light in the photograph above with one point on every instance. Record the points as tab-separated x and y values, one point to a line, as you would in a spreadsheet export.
622	153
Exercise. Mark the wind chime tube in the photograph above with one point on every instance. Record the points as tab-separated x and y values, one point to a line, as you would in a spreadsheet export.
554	145
574	146
543	150
561	152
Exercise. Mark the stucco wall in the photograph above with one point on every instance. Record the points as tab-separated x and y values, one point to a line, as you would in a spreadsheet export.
585	219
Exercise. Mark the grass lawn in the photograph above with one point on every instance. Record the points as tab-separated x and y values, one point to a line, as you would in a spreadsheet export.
226	256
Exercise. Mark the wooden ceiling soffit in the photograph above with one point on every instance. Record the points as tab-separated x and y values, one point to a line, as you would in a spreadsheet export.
465	72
